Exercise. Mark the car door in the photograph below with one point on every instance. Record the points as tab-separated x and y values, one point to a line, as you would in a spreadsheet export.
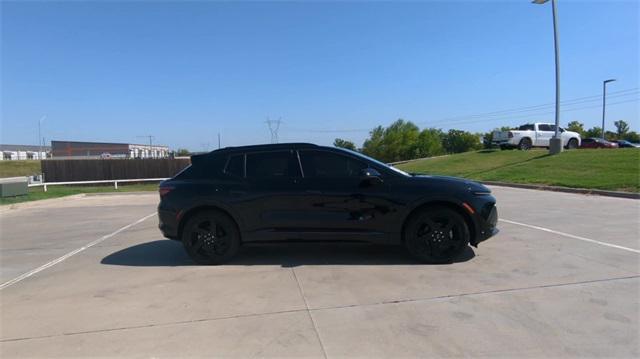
543	135
274	192
340	204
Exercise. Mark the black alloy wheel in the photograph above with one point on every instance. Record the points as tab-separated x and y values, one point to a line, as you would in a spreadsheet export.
436	235
211	237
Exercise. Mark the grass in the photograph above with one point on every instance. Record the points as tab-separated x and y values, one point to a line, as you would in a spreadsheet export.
19	168
37	193
617	169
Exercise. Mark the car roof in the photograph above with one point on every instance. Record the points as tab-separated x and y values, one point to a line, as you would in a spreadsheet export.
266	147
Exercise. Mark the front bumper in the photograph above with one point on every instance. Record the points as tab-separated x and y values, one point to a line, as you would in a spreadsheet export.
488	224
168	224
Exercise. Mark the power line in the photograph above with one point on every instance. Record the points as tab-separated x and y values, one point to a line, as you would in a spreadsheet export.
503	114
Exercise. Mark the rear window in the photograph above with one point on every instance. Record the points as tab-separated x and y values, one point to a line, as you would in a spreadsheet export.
277	164
235	166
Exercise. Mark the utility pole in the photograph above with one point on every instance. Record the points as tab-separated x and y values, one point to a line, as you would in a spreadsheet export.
604	101
274	126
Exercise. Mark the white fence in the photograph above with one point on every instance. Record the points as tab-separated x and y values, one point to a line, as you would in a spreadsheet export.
115	182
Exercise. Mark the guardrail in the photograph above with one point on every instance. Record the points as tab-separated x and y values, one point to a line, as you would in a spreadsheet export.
115	182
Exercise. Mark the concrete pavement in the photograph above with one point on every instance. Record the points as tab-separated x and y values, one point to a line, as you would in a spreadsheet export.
525	292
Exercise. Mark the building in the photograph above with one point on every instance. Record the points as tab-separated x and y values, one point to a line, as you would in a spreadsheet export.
74	149
23	152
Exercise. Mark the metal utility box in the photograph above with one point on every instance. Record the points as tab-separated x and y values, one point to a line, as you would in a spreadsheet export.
14	186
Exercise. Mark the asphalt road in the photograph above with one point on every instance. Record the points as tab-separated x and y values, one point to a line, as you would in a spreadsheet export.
92	276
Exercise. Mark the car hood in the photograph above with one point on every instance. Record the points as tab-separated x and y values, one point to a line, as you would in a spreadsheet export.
453	182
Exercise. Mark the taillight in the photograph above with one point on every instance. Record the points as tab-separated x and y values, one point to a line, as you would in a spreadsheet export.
510	134
164	190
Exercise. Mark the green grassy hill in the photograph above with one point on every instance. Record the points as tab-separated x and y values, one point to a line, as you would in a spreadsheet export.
19	168
617	169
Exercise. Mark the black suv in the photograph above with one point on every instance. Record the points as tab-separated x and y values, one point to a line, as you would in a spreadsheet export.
305	192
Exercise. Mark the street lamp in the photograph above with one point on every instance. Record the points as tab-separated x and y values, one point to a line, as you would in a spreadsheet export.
604	99
555	144
40	136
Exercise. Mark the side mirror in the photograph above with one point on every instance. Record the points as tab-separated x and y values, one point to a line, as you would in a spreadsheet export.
370	177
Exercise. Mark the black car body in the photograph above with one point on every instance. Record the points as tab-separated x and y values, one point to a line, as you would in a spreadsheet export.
306	192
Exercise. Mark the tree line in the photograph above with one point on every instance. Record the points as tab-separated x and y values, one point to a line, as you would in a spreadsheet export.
403	140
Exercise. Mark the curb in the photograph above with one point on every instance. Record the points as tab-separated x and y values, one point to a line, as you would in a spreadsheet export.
599	192
97	194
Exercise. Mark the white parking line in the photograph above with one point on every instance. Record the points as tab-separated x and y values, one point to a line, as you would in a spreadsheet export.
64	257
571	236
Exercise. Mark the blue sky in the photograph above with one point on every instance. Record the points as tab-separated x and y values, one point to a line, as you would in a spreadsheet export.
184	71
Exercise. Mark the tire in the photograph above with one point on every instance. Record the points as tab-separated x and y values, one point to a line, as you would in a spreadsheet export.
572	144
436	235
525	144
211	237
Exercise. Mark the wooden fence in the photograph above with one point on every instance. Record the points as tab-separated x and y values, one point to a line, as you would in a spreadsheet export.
111	169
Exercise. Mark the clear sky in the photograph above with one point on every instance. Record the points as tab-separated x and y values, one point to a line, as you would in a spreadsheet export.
184	71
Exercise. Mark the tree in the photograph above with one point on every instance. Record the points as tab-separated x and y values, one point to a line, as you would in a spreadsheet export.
182	152
429	143
394	143
576	126
621	128
456	141
593	132
344	144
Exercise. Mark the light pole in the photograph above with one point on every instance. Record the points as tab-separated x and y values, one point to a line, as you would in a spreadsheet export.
604	101
555	144
40	136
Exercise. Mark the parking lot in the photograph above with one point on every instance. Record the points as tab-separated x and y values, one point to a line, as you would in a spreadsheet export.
92	276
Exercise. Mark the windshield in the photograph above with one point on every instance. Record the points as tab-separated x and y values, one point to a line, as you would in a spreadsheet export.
382	164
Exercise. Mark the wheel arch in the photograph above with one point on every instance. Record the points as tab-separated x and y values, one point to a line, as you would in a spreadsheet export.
448	204
184	218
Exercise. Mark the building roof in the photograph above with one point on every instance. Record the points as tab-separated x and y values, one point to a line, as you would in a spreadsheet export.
27	148
106	143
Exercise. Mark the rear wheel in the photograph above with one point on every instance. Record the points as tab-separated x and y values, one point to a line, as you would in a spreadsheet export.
572	144
436	235
525	144
211	237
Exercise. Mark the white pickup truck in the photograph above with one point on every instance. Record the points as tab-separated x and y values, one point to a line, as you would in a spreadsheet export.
534	135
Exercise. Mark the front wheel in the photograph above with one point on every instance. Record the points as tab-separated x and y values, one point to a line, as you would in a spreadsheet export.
572	144
211	237
436	235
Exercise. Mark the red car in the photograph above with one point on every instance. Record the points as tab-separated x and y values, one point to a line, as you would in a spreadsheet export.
597	143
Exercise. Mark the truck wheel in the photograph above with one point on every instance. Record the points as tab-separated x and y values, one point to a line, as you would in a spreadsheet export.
572	144
525	144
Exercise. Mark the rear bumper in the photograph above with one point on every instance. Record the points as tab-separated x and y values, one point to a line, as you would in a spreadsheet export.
168	224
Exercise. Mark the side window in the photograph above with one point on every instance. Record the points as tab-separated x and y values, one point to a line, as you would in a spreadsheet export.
322	164
277	164
235	166
526	128
543	127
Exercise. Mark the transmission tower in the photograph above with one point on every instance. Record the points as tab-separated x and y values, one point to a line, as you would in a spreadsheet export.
274	126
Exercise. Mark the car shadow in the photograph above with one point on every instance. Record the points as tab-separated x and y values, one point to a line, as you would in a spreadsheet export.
167	253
